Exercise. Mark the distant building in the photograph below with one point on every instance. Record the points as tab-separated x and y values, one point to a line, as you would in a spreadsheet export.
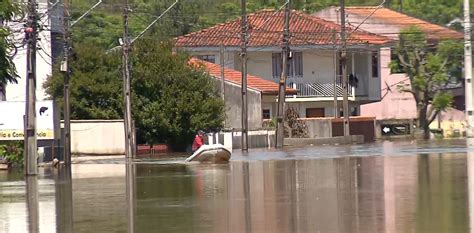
313	69
389	23
260	93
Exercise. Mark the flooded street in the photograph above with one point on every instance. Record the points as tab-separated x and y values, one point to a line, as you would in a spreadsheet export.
391	187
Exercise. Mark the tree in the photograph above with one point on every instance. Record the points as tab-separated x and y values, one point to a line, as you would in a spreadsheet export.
95	84
7	68
170	99
427	66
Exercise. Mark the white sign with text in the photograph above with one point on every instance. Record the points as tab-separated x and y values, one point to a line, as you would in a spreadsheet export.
11	120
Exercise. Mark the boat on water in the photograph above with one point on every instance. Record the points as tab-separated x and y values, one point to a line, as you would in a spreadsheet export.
216	153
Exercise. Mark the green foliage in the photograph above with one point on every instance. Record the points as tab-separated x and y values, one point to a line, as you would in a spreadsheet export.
95	84
441	101
8	72
12	151
429	70
170	99
296	128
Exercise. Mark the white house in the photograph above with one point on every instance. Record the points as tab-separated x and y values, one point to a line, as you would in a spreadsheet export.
314	65
16	92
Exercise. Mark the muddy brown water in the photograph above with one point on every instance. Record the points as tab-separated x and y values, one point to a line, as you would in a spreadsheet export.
391	187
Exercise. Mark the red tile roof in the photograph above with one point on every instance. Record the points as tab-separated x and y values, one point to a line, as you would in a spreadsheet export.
266	27
265	86
401	20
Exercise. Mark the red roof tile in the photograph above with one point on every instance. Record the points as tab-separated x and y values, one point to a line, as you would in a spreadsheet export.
265	86
402	20
266	27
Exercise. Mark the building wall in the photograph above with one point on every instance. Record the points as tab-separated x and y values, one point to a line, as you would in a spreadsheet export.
370	24
233	106
395	104
104	137
260	64
318	65
16	92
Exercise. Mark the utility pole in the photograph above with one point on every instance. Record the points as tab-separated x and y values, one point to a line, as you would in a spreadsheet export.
65	69
468	70
222	62
126	85
345	99
336	108
31	147
129	129
280	131
243	56
67	25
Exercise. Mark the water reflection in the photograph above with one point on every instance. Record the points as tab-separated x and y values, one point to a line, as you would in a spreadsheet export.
64	200
419	193
32	203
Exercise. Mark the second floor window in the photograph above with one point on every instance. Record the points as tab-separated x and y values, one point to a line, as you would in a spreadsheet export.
208	58
375	65
295	64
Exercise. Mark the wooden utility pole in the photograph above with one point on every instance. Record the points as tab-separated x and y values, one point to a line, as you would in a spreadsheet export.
336	108
280	130
222	62
31	147
243	56
65	69
469	103
126	85
343	60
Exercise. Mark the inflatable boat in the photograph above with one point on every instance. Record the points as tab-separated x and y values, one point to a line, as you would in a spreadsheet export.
216	153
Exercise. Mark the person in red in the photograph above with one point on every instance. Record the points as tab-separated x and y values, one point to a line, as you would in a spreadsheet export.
198	141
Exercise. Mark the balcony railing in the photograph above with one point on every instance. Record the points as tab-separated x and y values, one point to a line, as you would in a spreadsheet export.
319	89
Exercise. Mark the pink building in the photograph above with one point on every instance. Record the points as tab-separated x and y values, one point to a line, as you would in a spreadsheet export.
388	23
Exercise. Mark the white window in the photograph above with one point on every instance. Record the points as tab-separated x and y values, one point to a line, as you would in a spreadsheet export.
295	65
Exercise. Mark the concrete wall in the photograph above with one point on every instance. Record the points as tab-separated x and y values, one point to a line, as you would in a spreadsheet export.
318	127
233	106
16	92
452	122
103	137
379	123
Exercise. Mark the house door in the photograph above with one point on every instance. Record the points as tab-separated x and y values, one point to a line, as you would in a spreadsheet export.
314	112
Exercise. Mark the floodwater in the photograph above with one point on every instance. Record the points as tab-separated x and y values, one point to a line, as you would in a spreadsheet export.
392	187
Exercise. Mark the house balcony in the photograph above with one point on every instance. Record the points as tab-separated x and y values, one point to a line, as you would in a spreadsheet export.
320	90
